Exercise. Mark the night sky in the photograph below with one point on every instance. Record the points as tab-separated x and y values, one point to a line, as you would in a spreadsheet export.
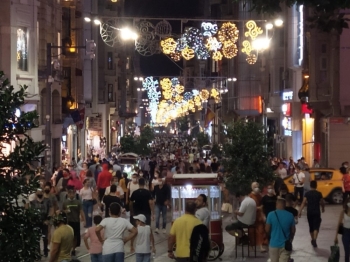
159	64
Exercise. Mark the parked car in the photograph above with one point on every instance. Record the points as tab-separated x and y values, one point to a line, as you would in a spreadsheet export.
329	183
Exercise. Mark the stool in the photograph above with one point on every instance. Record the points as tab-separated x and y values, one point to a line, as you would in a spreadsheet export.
246	232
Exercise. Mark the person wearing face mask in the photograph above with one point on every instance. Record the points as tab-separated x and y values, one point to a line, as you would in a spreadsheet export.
87	195
82	174
73	208
314	200
260	235
344	220
44	206
155	180
269	201
120	191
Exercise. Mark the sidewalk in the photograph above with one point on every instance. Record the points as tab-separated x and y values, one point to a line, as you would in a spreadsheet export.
303	251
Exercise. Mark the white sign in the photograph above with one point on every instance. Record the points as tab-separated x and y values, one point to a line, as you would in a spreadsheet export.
287	132
287	96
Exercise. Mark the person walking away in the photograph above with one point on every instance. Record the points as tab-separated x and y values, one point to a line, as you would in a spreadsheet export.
314	200
180	233
142	201
44	207
74	210
260	235
82	173
202	212
114	240
280	227
161	194
62	239
144	240
307	180
346	184
87	196
246	216
214	166
298	180
112	197
290	208
95	246
344	220
268	201
103	180
120	191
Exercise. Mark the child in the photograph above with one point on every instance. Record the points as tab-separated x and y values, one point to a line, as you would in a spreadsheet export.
95	248
144	239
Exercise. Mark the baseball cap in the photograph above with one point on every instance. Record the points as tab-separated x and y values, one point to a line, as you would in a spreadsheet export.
140	217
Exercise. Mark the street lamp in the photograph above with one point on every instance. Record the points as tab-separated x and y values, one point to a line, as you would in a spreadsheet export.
127	34
261	43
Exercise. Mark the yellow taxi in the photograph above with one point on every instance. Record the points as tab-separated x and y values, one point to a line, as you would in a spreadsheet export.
329	183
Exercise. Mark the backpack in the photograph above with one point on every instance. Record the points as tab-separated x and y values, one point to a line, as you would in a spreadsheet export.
199	244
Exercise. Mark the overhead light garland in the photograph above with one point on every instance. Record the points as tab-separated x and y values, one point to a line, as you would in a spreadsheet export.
187	53
168	46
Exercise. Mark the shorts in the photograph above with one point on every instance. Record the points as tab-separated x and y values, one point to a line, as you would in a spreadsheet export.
314	222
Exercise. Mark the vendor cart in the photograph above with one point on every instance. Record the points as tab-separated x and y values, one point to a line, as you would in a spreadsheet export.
186	187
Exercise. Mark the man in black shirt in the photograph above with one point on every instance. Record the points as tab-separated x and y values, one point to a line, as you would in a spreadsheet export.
111	198
313	199
142	201
214	166
269	201
161	193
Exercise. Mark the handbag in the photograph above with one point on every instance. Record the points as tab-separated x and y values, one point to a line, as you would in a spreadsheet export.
335	254
287	244
340	229
225	207
94	200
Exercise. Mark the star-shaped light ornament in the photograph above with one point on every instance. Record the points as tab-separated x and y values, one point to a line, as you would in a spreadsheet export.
213	44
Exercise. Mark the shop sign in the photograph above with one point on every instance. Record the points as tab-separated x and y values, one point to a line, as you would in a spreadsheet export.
287	124
286	109
287	96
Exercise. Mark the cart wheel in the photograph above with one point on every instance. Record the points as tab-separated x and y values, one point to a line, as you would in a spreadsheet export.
214	252
222	249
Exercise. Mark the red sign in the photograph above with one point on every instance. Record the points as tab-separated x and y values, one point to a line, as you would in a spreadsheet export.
305	109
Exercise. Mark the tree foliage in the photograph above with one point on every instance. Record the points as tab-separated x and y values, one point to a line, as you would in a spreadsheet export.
182	123
202	139
325	13
19	234
246	158
127	144
138	144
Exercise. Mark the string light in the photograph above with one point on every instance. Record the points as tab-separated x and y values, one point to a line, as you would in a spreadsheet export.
168	46
204	94
230	51
202	52
251	59
209	29
176	56
253	30
213	44
228	32
247	48
179	89
217	56
187	53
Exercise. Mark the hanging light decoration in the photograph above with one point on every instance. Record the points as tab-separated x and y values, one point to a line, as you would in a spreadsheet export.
217	56
228	32
168	46
213	44
253	30
176	56
251	59
209	29
230	51
204	94
187	53
179	89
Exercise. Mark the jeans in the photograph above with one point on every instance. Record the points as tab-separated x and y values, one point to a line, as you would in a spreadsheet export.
143	257
346	243
114	257
87	208
96	257
160	209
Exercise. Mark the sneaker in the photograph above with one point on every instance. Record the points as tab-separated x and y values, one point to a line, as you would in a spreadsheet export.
156	231
164	231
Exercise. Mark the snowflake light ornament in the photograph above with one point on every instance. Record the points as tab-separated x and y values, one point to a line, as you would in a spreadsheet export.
213	44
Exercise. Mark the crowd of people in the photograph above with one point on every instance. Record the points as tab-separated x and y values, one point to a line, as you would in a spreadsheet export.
108	202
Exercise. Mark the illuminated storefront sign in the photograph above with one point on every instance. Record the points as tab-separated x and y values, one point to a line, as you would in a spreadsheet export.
300	55
287	124
286	109
287	96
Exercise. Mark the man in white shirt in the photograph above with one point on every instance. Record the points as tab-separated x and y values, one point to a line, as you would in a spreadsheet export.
246	215
202	212
282	171
299	179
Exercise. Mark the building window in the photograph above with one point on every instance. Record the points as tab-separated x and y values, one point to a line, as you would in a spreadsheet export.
110	92
110	60
22	49
127	66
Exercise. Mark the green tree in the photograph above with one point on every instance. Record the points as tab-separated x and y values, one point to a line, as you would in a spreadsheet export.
246	156
182	124
127	144
19	232
202	139
325	14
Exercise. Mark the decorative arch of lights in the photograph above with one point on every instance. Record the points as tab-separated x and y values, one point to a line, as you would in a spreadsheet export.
197	38
168	97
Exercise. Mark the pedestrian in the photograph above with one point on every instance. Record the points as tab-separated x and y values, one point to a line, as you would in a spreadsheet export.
87	196
202	212
94	247
112	197
268	201
314	200
103	180
119	192
161	194
73	208
142	203
62	239
180	233
344	222
246	216
346	184
298	180
114	240
281	228
144	240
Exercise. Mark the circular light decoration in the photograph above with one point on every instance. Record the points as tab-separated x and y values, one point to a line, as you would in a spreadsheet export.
188	96
179	98
204	94
230	51
176	56
193	37
181	44
168	46
202	52
165	83
217	56
167	94
179	89
197	100
251	59
209	29
195	92
228	32
213	44
214	93
175	81
187	53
